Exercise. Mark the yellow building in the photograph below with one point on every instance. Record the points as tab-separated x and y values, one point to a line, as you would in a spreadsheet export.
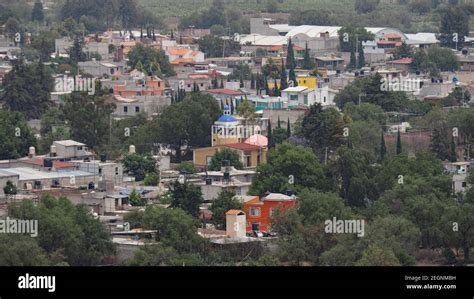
307	81
252	152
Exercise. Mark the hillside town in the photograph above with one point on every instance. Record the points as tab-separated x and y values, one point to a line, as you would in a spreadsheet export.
194	145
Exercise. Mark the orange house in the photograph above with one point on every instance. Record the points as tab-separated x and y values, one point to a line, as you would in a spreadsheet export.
260	211
151	86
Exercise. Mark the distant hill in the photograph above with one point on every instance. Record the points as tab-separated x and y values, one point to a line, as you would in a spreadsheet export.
388	13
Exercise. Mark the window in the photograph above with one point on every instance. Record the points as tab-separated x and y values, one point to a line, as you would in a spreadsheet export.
255	226
464	184
306	99
137	109
125	109
273	212
255	212
238	191
208	160
100	170
116	170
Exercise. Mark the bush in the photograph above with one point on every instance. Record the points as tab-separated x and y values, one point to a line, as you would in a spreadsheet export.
135	199
186	167
152	179
449	255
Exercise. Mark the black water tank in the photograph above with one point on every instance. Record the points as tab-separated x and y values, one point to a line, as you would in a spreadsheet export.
47	163
103	158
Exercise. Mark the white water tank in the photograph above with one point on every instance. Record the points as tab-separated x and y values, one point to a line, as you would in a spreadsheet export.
31	152
132	149
52	151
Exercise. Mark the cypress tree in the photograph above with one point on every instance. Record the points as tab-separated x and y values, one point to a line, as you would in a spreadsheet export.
276	91
292	77
352	63
308	63
361	61
270	135
279	123
383	147
283	78
37	13
222	83
453	157
399	143
267	88
290	57
288	129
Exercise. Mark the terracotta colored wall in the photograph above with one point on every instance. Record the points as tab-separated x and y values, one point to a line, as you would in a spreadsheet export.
264	219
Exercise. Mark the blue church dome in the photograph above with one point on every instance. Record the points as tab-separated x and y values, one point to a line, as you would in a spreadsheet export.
227	119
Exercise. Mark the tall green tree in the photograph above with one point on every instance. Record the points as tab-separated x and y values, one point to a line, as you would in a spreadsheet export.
139	165
15	136
308	63
186	196
290	57
37	13
288	128
283	77
88	117
225	154
68	232
361	58
383	147
150	58
289	167
224	202
399	143
453	150
323	128
271	143
186	124
27	89
454	23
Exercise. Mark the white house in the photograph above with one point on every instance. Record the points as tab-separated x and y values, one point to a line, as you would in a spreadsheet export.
325	96
299	95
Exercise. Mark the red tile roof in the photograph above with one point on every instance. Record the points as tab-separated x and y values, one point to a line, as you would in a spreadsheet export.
242	146
403	61
228	92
